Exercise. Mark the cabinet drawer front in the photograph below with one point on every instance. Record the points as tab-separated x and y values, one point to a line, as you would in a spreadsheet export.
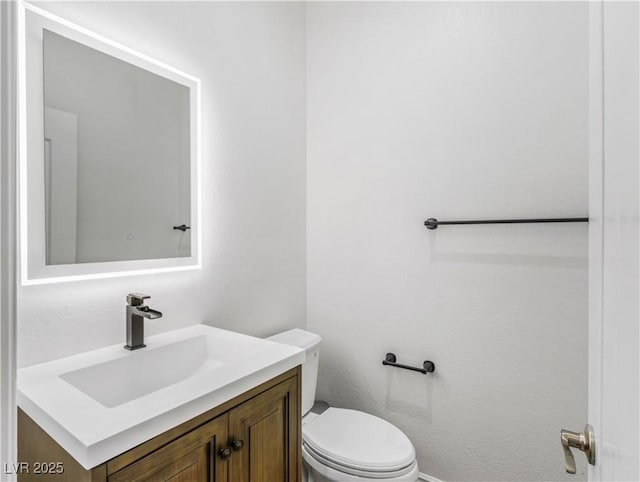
187	459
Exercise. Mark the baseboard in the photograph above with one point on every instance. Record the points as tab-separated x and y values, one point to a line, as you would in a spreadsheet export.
427	478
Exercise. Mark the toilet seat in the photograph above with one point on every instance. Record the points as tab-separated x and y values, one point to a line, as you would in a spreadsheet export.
344	474
358	444
324	473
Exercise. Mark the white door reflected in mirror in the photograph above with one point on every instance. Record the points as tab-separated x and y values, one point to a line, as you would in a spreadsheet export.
61	185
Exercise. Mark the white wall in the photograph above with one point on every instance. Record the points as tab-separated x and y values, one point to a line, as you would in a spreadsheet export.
452	110
250	58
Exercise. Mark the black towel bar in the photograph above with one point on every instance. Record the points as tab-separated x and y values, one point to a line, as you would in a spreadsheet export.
433	223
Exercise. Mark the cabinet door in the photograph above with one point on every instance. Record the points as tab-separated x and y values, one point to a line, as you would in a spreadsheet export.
267	428
194	457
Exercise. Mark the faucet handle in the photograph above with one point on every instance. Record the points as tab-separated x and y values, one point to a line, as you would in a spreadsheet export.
136	299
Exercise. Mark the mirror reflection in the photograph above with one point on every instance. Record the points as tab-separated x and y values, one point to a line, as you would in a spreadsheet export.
117	158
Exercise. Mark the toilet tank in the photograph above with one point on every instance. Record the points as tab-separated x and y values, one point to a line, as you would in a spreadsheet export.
310	343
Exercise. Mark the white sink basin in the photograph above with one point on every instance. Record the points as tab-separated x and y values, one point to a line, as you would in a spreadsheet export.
152	369
101	403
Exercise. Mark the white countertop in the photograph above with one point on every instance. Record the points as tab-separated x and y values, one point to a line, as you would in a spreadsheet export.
93	432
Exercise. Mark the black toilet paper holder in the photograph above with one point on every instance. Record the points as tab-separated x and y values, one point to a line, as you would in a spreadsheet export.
427	366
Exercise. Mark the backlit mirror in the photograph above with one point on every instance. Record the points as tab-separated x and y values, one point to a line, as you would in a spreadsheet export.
110	170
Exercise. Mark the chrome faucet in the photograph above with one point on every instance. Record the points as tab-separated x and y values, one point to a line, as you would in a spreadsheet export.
137	311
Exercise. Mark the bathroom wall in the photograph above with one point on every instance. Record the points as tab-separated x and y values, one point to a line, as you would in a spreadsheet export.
452	110
250	58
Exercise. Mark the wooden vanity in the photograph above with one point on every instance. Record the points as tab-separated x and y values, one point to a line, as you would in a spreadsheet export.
254	437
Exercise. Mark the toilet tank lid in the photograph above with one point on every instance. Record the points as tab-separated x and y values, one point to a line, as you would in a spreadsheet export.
297	337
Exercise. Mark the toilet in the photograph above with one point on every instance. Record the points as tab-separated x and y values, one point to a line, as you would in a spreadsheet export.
341	445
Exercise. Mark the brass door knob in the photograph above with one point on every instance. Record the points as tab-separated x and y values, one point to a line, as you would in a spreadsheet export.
585	441
237	444
225	453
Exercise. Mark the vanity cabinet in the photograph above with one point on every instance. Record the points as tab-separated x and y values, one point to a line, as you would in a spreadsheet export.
255	437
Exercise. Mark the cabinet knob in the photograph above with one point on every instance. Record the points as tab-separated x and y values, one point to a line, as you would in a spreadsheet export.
237	444
225	453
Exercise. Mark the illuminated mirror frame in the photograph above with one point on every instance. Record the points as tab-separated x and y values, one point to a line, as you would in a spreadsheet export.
31	215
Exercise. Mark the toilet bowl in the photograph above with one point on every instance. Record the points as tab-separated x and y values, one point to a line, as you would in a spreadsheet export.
342	445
